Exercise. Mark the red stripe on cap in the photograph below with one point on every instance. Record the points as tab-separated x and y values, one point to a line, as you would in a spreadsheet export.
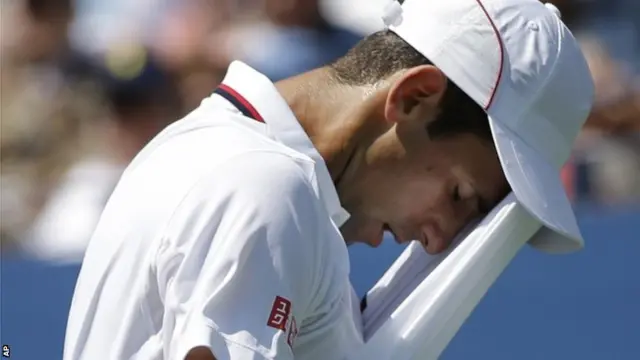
255	114
495	29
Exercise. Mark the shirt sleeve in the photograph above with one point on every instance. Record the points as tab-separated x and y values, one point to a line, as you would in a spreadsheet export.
237	269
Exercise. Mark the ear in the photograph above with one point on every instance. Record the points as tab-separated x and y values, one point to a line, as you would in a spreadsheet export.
415	95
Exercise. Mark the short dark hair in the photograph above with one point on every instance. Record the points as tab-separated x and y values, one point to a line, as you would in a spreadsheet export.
384	53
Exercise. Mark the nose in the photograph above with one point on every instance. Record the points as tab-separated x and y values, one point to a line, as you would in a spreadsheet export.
433	239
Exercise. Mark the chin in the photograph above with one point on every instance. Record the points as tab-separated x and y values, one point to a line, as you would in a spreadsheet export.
362	230
377	241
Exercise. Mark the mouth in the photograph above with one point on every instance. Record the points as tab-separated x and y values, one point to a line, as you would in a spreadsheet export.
396	237
423	238
388	229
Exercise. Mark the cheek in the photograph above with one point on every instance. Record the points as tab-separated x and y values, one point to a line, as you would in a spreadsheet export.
404	189
421	198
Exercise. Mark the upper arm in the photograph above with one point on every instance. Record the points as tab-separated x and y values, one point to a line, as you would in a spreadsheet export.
238	266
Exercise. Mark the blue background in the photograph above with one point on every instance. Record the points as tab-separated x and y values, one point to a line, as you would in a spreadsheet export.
582	306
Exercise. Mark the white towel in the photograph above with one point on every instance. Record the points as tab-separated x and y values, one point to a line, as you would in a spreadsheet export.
399	281
406	273
420	303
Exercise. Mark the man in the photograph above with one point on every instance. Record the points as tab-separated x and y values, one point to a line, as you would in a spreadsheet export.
221	240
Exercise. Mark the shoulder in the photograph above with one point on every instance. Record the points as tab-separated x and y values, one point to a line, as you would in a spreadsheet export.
259	208
256	187
250	197
261	175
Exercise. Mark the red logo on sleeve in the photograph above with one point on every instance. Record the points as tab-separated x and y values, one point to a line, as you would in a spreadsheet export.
279	313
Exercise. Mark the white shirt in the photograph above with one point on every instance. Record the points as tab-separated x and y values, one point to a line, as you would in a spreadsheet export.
223	232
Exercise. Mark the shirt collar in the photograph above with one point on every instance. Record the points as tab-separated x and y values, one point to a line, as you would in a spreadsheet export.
258	90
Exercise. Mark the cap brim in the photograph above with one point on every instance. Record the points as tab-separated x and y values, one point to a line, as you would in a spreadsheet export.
537	185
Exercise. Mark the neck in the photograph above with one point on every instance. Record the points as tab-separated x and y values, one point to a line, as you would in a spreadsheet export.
332	115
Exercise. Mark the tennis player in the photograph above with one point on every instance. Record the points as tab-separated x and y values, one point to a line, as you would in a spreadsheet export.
226	237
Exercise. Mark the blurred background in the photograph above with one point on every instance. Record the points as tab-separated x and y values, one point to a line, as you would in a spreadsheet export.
86	83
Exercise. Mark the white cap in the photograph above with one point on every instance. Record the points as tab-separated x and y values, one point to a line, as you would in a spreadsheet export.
517	60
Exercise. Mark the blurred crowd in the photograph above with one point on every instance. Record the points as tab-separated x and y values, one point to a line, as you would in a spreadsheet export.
86	83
